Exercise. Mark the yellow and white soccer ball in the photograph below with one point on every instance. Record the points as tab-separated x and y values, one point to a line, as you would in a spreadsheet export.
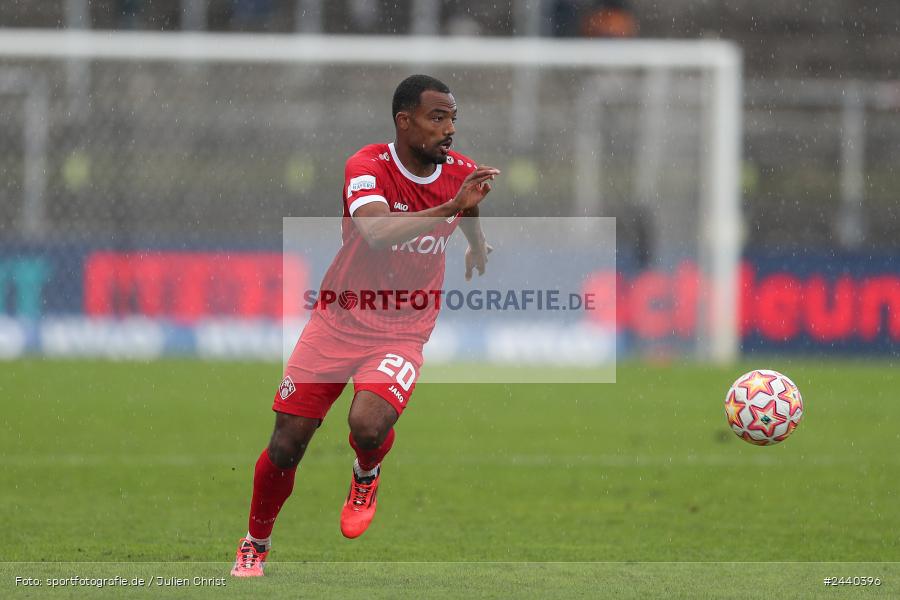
763	407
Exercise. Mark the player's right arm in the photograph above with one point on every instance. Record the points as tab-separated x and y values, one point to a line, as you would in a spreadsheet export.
382	228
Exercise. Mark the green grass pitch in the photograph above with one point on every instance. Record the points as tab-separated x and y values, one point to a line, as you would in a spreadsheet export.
635	489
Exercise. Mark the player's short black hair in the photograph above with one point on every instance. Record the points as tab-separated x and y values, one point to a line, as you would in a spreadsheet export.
409	92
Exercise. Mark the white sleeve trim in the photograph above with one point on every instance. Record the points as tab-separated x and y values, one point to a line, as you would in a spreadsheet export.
366	200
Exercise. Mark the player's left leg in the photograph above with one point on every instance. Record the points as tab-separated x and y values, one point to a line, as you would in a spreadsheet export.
383	383
372	435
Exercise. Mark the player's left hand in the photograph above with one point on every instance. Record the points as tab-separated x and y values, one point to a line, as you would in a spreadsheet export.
476	258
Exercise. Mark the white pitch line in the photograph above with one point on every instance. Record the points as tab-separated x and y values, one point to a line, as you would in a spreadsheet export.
514	461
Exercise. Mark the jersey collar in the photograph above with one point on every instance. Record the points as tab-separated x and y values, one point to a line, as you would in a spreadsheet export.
410	176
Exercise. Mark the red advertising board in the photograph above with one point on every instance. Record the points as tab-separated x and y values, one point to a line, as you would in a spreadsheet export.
188	286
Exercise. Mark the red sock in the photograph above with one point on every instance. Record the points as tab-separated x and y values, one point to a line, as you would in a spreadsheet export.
271	487
369	459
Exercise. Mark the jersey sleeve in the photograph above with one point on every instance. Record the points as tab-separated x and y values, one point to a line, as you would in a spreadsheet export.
363	183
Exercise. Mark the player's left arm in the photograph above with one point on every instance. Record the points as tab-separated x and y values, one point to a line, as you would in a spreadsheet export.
478	250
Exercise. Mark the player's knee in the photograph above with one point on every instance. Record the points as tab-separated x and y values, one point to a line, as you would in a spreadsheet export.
367	435
285	450
290	439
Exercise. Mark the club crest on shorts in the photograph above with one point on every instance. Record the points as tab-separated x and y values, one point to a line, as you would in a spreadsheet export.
287	388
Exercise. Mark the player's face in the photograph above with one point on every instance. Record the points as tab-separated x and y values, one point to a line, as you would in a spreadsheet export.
431	130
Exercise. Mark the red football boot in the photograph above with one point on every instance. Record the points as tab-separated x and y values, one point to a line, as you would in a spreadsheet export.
359	508
249	560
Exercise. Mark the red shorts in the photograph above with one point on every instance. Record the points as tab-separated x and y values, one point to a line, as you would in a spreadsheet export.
321	364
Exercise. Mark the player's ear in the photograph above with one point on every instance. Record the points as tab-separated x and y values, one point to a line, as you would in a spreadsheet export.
401	120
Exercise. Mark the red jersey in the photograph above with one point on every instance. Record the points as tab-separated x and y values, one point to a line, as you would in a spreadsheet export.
384	289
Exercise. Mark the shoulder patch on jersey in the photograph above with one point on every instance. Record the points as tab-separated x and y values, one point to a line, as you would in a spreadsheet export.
363	182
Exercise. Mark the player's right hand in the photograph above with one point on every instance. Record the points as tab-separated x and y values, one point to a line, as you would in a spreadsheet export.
475	187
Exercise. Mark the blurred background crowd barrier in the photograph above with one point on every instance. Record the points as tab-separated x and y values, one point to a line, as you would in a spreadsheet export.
106	160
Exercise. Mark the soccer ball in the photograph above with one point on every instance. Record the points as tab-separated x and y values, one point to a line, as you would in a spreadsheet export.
763	407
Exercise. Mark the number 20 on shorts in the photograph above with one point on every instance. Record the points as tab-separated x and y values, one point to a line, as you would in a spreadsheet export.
400	369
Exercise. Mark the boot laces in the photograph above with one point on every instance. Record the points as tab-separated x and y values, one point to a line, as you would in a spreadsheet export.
361	493
248	556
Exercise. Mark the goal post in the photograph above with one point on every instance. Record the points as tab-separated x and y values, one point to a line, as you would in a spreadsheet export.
270	86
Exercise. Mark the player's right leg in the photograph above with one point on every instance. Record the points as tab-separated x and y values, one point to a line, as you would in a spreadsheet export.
297	417
273	482
312	383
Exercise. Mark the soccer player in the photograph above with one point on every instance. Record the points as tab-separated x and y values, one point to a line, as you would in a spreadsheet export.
401	202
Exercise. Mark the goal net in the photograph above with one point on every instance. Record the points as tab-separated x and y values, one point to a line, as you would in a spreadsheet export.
137	165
